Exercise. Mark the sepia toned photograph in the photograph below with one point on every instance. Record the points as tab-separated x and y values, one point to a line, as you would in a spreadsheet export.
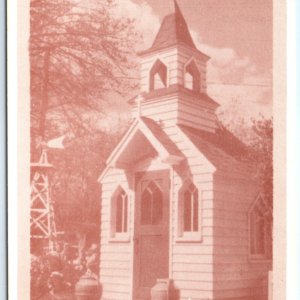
150	150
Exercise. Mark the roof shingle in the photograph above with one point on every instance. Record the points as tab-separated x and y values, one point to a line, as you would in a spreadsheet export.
162	137
221	148
173	31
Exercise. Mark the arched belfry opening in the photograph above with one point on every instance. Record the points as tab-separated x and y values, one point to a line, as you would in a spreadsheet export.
158	76
192	77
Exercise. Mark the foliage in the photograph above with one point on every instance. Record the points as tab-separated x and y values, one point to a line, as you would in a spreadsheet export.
39	271
257	135
230	116
75	188
46	269
261	152
79	50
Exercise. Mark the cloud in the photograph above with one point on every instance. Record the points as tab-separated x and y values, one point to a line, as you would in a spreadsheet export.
147	22
229	75
225	63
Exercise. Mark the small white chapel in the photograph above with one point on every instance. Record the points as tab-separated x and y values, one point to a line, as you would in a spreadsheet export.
179	202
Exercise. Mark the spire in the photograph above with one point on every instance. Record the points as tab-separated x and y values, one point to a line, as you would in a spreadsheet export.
182	30
174	30
176	6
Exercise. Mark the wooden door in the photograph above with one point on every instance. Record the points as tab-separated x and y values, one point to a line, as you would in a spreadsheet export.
151	249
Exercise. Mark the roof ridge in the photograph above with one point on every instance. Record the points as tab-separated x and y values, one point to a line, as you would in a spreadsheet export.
181	25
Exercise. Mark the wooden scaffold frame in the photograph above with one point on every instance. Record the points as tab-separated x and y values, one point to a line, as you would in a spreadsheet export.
42	222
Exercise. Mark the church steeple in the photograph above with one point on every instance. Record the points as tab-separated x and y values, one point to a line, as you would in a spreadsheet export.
174	39
173	70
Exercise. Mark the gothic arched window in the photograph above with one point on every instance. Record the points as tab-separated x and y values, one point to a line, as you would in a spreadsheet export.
189	212
158	76
260	229
119	213
192	77
151	205
190	209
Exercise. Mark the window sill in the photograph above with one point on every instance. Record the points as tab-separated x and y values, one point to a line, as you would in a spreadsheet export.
194	237
120	238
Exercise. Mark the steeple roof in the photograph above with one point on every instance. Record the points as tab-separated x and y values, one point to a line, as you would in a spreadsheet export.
173	31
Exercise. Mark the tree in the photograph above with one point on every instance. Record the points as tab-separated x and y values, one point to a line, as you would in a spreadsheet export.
75	187
261	152
79	50
257	134
231	117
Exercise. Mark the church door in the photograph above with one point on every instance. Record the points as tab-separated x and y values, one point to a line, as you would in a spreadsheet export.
151	248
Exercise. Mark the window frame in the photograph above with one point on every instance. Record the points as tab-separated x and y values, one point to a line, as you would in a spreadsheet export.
195	82
114	235
267	222
153	203
151	75
188	236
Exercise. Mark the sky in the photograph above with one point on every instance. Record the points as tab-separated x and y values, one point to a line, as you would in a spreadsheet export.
236	34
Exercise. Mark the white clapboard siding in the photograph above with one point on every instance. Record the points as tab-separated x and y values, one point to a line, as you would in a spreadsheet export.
192	258
118	257
192	261
193	248
115	258
108	272
193	276
200	285
172	111
114	295
116	279
195	294
235	275
195	110
115	265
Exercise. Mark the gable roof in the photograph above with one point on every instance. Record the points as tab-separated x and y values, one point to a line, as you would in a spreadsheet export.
221	148
156	137
173	31
162	137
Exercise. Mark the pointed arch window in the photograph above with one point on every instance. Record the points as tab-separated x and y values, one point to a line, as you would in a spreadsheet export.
189	228
158	76
190	209
151	205
192	77
119	214
260	229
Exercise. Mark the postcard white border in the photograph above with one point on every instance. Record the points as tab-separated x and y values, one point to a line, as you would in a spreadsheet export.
16	39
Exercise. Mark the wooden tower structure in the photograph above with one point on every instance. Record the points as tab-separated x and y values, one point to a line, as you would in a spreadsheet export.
42	223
